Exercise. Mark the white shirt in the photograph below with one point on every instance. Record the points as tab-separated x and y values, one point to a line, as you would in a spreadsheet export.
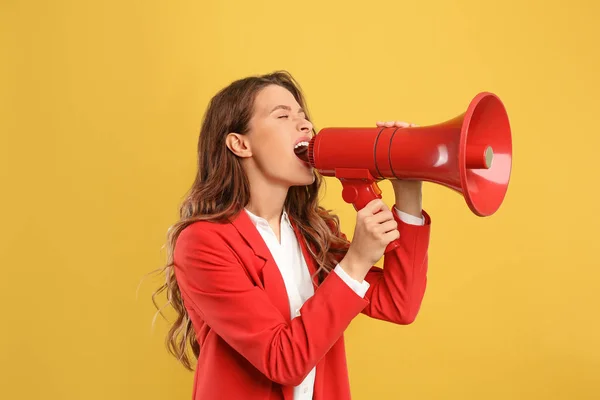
290	261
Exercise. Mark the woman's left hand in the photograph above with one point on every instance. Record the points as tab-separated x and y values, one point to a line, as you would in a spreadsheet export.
399	124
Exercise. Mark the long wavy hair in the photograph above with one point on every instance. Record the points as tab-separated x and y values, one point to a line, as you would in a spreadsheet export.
221	190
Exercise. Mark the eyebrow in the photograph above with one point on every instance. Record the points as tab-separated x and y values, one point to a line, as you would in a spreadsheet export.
283	107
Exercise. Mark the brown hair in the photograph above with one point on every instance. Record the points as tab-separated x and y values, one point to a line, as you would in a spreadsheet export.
219	193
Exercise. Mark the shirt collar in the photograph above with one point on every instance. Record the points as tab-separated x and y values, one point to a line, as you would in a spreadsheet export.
259	221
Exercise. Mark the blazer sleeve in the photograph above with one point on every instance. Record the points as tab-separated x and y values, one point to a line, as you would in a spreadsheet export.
213	282
396	292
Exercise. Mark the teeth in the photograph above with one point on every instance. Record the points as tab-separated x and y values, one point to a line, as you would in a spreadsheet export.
301	144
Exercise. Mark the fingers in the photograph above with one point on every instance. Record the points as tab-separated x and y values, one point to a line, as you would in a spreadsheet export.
376	212
401	124
388	226
385	231
376	225
373	207
391	236
382	216
389	124
398	124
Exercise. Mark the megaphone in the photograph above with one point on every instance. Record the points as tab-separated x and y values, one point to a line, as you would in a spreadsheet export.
470	154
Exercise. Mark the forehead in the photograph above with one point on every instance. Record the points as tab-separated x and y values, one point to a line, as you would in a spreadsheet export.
272	96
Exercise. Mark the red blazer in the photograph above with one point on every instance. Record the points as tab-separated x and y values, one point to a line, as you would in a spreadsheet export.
250	348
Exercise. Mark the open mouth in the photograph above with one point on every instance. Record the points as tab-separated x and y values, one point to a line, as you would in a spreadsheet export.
301	151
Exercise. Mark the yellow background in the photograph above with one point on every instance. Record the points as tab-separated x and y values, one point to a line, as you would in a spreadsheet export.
100	107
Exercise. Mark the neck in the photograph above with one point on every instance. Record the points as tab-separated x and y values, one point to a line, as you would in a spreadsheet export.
266	200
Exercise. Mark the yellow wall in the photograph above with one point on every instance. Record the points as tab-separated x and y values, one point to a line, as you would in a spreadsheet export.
100	105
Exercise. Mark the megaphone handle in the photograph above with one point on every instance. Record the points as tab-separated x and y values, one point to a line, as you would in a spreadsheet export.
359	192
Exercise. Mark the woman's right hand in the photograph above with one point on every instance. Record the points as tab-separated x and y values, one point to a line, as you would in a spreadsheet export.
375	229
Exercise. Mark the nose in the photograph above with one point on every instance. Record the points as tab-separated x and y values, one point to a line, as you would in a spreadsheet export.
305	126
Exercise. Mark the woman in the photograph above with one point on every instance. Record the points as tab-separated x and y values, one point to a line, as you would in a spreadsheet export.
262	279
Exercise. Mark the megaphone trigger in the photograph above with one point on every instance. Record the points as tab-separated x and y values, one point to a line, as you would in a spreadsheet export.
359	187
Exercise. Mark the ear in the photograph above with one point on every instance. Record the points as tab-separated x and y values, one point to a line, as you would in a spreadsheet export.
239	145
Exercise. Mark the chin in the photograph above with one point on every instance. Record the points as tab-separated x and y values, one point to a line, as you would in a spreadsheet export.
305	180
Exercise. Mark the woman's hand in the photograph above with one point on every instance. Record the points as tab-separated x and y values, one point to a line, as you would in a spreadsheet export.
375	229
399	124
409	194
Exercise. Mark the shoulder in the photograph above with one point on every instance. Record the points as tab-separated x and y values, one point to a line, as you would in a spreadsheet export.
203	245
207	227
204	232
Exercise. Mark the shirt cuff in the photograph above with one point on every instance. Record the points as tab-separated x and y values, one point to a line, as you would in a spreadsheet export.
409	219
360	288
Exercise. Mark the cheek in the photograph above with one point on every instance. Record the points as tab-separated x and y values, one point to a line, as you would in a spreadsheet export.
271	148
276	159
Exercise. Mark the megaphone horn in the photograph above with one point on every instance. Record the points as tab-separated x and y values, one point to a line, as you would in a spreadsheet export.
471	154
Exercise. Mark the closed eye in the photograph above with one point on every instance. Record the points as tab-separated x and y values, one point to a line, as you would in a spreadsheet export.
283	116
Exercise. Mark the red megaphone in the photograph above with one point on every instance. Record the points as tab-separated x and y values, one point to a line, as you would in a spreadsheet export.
471	154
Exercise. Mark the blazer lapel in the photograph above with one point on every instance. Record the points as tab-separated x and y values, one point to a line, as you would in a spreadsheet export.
267	270
310	262
265	265
319	388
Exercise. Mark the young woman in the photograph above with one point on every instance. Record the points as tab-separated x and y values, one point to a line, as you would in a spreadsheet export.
262	279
